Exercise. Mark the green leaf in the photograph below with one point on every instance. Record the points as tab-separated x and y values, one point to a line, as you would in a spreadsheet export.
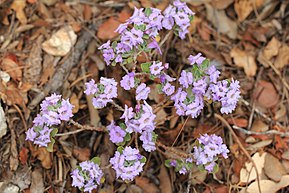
113	63
127	137
148	11
159	88
191	17
120	149
101	88
154	136
53	132
145	67
168	163
96	160
114	44
143	159
216	168
122	125
126	55
130	60
50	145
146	36
37	129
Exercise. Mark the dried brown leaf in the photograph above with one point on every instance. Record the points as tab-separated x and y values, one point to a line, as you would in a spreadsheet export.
45	157
23	155
75	102
18	6
60	42
265	94
33	67
243	8
220	20
275	173
283	57
271	48
11	65
245	60
37	185
81	154
146	185
107	29
165	181
268	186
221	4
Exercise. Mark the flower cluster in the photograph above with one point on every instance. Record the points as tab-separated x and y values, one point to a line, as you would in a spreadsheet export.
127	163
141	121
54	109
208	150
103	92
199	83
141	31
87	176
183	166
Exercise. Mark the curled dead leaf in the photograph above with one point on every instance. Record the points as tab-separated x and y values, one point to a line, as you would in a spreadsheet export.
60	42
274	173
11	65
45	157
18	6
271	48
245	60
265	94
283	57
243	8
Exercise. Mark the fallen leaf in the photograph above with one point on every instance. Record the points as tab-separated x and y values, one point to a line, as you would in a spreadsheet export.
33	67
81	154
240	122
18	6
45	157
23	155
271	48
259	126
107	30
268	186
60	42
220	20
146	185
243	8
49	2
265	94
11	65
165	181
75	102
283	57
245	60
274	173
221	4
248	173
3	124
37	185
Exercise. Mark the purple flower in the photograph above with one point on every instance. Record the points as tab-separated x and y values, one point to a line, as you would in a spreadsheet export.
88	176
127	81
198	59
138	17
39	135
127	164
128	113
154	45
132	38
213	73
108	52
142	92
91	87
155	19
50	102
180	96
116	133
51	118
200	87
65	111
210	147
156	68
194	109
173	163
148	141
186	79
168	89
181	108
121	28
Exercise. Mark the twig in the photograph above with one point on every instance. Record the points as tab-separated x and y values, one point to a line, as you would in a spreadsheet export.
117	106
241	146
270	132
172	150
81	128
180	131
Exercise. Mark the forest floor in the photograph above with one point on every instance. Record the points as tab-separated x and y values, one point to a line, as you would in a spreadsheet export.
248	40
